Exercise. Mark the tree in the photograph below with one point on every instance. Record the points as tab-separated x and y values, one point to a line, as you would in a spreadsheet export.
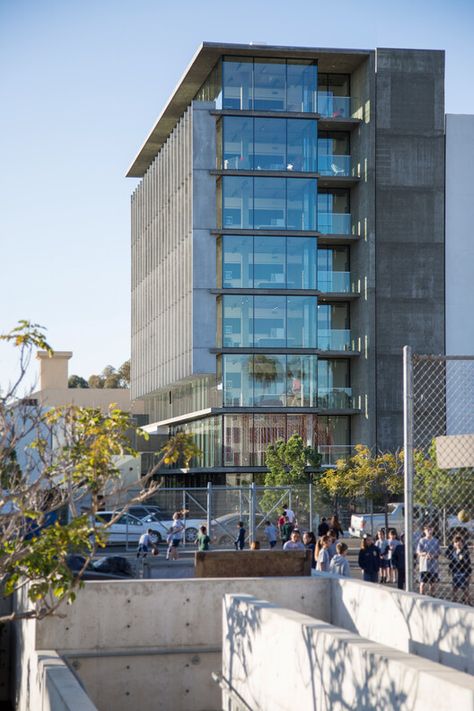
50	494
289	464
124	373
75	381
376	477
441	488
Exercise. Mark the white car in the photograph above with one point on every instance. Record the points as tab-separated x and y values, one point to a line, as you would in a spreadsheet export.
162	526
126	528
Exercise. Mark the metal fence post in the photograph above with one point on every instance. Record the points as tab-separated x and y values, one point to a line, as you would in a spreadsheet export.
310	494
253	510
209	507
408	462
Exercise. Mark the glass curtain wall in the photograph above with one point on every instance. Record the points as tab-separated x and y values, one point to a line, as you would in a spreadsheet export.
264	262
247	143
334	95
269	321
269	84
334	391
268	203
265	380
334	153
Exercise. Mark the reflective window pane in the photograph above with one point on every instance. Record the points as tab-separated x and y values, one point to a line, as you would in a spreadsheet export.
237	321
237	83
269	262
301	262
333	269
269	380
237	202
302	144
270	144
237	143
237	440
301	321
301	381
301	201
237	374
334	384
267	429
269	203
269	85
333	327
303	425
270	322
237	262
302	82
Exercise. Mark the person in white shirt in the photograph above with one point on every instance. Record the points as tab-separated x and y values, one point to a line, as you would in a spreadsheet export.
291	515
295	543
145	543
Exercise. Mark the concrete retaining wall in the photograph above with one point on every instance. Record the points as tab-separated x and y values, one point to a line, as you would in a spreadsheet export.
128	639
265	563
276	658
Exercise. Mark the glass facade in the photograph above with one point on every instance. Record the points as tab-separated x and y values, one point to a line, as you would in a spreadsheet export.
334	391
268	203
334	211
334	153
334	270
269	380
268	321
334	327
267	144
263	84
264	262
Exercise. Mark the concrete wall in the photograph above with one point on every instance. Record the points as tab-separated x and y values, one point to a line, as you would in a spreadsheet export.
409	222
362	253
276	658
119	634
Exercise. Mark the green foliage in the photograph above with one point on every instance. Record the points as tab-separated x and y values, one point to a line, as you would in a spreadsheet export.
288	464
71	461
432	486
75	381
124	373
376	477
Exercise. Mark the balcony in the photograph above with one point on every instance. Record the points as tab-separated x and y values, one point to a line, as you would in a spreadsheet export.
334	282
334	339
332	452
335	398
331	106
334	165
334	223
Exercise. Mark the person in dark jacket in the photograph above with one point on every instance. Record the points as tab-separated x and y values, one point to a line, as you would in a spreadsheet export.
286	531
239	542
398	562
335	525
323	528
369	559
460	567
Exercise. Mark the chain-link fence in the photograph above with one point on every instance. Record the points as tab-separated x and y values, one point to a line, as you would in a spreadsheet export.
439	473
222	508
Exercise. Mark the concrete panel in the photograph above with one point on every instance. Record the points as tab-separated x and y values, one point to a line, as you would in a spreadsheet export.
326	667
150	682
409	220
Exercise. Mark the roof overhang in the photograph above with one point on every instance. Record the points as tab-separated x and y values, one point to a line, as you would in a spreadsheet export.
342	61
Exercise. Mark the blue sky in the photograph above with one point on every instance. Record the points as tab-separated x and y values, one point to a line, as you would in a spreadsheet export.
82	83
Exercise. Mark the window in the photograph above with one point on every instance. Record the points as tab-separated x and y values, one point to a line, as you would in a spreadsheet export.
237	137
237	79
334	384
333	327
237	262
334	211
334	95
237	320
333	269
334	153
269	85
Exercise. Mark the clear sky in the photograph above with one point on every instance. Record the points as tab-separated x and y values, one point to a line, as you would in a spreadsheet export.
81	84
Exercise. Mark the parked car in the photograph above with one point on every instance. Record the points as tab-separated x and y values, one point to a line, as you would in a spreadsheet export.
162	526
126	528
370	523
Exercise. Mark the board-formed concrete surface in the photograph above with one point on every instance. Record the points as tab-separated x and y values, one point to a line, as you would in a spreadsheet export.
247	564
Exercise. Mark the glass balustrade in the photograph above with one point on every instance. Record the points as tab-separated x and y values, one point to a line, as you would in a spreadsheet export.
334	165
334	339
334	282
330	453
335	398
332	106
334	223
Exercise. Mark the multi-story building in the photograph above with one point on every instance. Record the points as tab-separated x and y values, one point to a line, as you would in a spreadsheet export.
287	241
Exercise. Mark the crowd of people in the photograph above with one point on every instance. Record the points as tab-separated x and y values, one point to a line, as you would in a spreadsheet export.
381	560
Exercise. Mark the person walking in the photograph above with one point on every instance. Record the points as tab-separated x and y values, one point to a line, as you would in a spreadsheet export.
323	528
398	562
369	559
202	539
175	536
428	551
393	542
335	525
382	544
270	533
239	542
